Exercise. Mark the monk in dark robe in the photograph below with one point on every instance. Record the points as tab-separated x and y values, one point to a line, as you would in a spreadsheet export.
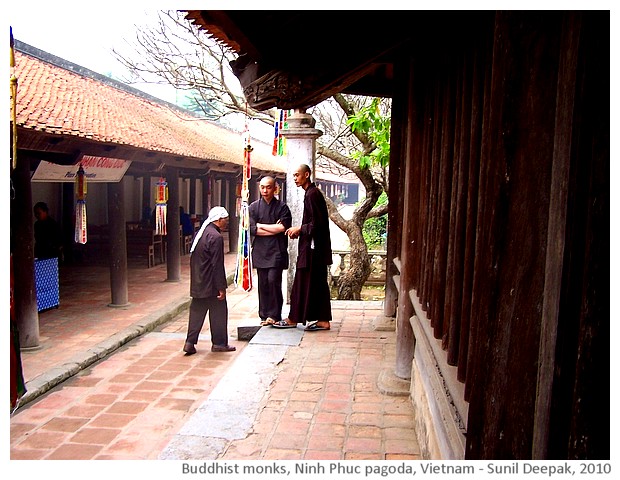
269	219
310	296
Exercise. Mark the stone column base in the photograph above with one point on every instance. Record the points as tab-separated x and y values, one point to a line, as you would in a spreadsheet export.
389	384
381	323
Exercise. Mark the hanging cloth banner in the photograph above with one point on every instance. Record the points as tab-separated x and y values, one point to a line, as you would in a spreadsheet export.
80	206
161	209
276	136
243	273
279	140
13	85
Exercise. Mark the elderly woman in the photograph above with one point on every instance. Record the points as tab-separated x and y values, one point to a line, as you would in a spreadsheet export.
208	284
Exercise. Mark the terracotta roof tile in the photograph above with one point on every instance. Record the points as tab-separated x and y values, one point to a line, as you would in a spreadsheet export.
55	100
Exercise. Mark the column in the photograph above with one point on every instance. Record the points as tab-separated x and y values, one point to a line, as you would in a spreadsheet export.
396	181
147	194
22	247
301	148
119	285
191	208
206	194
411	148
397	381
173	221
69	253
233	219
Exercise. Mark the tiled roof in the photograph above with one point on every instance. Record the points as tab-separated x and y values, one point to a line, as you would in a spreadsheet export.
55	100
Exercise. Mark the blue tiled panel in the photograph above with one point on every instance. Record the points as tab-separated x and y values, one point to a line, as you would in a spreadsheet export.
46	279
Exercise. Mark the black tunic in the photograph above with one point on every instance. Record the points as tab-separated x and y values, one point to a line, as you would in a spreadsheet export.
269	251
208	275
310	295
314	234
46	239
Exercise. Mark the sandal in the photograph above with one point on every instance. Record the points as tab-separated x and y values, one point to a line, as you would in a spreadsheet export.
314	327
268	321
284	324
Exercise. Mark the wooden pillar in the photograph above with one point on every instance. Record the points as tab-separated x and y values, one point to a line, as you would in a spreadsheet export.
393	247
394	227
70	253
191	208
119	286
173	220
146	198
22	248
405	340
206	193
233	223
301	145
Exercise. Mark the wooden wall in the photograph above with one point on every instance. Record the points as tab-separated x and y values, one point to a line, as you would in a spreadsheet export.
508	150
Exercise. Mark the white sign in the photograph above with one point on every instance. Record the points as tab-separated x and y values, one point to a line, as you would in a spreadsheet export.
96	169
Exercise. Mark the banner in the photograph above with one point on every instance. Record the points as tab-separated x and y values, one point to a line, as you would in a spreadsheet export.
99	169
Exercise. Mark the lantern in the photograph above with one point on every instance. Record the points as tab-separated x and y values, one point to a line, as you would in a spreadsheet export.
80	206
161	199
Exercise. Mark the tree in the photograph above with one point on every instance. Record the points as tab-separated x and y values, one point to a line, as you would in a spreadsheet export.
357	145
375	229
356	129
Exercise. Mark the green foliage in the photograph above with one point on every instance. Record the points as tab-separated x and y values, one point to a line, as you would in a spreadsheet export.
370	121
375	229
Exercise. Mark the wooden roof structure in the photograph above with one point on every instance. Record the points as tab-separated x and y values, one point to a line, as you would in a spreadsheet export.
296	59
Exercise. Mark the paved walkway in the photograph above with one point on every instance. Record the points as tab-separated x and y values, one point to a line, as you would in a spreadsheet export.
112	383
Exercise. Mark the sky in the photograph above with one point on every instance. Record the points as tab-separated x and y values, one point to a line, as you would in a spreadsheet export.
65	33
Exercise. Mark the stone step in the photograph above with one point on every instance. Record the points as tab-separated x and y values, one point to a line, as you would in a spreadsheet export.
247	328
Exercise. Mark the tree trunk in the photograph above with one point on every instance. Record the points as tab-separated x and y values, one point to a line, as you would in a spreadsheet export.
352	280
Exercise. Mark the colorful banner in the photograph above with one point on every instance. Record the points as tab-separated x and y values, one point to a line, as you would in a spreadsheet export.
279	140
243	273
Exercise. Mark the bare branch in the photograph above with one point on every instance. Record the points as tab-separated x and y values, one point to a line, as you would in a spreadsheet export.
175	52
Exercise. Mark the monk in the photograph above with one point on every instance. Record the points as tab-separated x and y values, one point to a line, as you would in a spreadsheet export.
310	296
269	219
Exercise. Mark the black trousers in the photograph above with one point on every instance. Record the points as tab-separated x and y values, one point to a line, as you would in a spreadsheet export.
218	320
270	298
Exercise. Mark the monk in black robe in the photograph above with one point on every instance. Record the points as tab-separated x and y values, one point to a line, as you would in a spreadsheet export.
269	219
310	295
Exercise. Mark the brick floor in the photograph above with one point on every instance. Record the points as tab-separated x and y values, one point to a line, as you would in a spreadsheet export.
327	391
324	402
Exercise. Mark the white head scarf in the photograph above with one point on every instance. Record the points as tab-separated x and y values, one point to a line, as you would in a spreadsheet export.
216	213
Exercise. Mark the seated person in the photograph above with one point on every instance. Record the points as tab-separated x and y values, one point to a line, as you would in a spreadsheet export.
47	238
186	223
